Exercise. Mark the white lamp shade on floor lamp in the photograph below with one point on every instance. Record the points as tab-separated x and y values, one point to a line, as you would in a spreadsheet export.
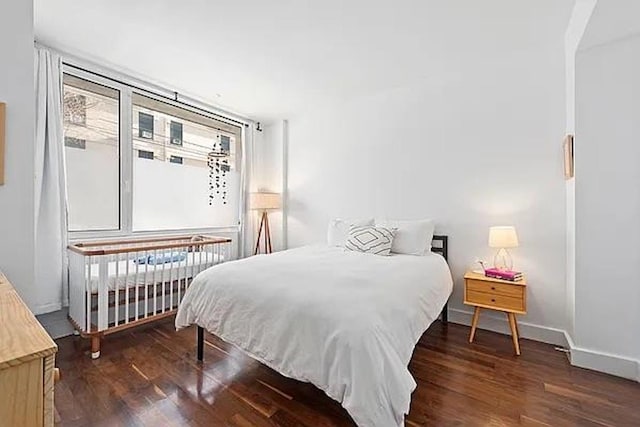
502	238
263	201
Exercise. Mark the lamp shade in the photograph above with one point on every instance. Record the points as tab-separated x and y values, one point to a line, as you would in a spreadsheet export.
503	237
264	201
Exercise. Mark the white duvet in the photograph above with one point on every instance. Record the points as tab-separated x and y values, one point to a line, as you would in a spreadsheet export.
346	322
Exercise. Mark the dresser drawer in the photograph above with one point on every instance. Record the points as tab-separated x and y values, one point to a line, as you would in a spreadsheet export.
514	291
494	300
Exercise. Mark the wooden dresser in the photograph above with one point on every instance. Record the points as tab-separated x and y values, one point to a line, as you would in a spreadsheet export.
27	356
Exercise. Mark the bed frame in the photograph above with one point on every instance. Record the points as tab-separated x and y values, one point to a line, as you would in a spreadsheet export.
440	245
442	249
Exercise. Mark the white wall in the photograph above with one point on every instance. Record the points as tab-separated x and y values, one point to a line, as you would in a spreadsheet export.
16	196
577	25
480	149
270	174
607	306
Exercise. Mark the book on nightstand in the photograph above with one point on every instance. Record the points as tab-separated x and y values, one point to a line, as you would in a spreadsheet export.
496	273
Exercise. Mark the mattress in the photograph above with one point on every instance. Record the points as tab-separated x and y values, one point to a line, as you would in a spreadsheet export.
347	322
141	274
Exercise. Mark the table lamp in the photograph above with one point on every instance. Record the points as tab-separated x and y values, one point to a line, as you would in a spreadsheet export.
502	238
264	201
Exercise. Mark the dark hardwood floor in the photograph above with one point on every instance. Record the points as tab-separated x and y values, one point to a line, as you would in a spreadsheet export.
149	376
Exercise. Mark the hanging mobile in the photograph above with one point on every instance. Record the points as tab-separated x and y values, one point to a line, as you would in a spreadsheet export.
218	166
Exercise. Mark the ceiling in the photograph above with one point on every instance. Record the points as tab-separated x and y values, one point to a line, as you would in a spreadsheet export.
611	20
274	59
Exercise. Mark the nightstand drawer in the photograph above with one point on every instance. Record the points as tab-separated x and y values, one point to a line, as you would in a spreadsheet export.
493	300
514	291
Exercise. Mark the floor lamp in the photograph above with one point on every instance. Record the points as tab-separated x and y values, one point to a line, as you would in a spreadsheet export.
264	202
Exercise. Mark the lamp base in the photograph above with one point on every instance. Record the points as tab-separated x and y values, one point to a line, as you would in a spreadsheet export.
264	224
502	260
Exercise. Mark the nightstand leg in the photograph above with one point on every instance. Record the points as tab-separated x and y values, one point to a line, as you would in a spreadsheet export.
474	323
514	332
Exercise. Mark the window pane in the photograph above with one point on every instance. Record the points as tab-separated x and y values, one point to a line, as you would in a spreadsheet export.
145	154
92	139
70	141
145	125
176	133
185	186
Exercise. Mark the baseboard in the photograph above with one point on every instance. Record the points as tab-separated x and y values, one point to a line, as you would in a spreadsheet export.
491	322
581	357
47	308
603	362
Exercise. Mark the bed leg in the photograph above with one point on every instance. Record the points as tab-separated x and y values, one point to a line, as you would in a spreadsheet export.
95	346
445	313
200	344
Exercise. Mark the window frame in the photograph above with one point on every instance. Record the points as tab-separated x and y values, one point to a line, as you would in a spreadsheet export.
121	153
127	158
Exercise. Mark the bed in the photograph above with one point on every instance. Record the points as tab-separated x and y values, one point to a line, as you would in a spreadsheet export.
344	321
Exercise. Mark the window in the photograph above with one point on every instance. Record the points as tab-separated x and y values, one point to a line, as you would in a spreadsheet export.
225	143
72	142
145	125
145	154
169	197
176	133
92	151
166	167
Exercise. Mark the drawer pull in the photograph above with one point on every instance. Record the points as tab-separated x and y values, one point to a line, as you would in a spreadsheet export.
493	288
493	300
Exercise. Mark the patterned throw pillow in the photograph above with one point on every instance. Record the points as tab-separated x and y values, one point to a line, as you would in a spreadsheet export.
370	239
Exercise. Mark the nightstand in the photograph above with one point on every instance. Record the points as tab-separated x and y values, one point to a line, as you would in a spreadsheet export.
495	294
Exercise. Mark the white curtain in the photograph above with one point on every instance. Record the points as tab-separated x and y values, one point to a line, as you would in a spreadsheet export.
51	271
246	231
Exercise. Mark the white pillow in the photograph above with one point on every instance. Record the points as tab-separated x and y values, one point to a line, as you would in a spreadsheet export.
339	229
370	239
412	237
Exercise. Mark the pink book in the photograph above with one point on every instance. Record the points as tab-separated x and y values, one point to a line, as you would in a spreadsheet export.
503	274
